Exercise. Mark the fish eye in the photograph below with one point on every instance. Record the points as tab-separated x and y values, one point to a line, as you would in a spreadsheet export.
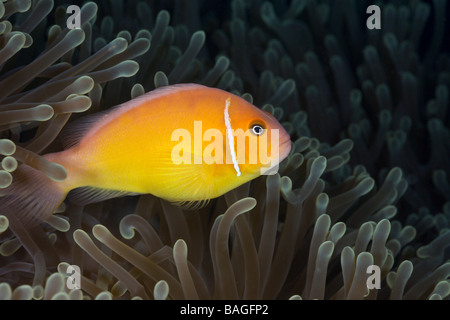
257	129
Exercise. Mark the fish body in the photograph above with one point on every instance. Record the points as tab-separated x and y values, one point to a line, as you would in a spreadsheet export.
172	142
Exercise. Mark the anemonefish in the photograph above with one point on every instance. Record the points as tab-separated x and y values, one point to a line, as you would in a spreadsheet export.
176	142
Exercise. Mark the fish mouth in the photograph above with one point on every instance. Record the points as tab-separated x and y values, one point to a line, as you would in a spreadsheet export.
285	149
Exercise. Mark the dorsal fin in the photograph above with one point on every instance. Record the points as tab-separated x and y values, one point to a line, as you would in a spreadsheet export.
86	195
74	131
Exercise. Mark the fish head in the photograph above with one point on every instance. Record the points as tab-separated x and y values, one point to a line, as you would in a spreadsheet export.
260	141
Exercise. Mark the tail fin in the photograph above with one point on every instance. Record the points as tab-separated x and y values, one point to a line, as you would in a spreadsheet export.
32	197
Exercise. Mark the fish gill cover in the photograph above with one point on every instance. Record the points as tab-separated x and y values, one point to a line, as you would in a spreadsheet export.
366	182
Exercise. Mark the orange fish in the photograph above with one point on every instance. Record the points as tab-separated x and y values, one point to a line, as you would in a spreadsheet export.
180	143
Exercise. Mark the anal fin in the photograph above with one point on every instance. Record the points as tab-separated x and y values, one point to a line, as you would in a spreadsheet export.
191	205
86	195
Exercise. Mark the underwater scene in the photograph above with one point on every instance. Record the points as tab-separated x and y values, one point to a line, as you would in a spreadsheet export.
224	150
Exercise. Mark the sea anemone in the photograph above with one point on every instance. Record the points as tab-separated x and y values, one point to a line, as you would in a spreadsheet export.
41	90
365	186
